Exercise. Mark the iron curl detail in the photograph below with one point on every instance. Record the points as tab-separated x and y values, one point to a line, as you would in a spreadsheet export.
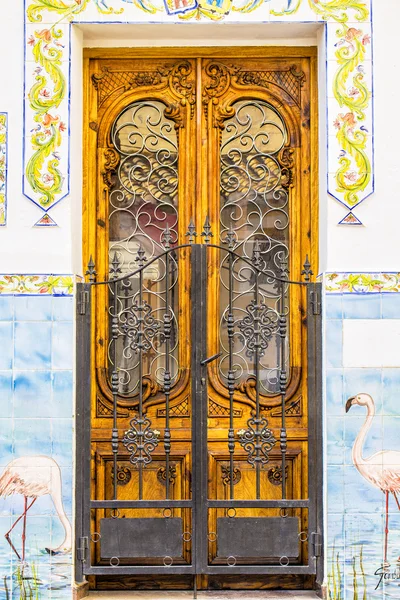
257	440
140	440
140	327
143	223
258	327
255	180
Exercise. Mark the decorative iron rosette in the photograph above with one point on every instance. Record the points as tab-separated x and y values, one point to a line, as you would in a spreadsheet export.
140	440
257	327
258	440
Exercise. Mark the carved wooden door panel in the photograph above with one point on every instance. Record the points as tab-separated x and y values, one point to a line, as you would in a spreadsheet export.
182	152
256	113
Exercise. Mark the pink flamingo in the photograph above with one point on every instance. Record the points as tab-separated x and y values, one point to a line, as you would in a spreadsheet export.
32	477
382	469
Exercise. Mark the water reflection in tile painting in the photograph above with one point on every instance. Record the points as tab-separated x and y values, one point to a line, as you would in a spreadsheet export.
40	578
36	536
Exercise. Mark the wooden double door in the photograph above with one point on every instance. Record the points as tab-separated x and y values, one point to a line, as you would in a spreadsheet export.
199	323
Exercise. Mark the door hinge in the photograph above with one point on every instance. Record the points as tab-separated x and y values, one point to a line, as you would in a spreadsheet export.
315	302
81	551
316	540
83	301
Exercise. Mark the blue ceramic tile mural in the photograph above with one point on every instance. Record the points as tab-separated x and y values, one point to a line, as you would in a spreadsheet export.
336	530
335	441
334	306
363	546
6	442
6	308
334	392
32	394
335	486
6	345
33	308
33	345
62	383
62	351
63	309
360	443
334	344
362	306
363	380
391	434
391	306
32	437
390	391
6	383
36	434
352	427
359	497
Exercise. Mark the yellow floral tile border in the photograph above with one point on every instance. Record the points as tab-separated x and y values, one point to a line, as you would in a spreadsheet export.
361	283
349	95
53	285
340	283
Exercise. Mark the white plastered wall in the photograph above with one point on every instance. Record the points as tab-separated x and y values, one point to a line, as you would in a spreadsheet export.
23	248
373	247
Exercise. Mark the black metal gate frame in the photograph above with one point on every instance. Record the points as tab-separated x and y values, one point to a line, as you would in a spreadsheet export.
200	504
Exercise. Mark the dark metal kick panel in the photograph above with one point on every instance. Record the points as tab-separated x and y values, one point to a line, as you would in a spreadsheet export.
146	538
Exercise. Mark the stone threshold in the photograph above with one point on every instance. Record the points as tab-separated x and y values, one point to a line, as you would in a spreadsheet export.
223	595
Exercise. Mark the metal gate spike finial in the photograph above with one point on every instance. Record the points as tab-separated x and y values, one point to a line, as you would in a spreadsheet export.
257	260
140	258
115	269
166	237
307	272
207	234
282	264
230	238
191	232
91	271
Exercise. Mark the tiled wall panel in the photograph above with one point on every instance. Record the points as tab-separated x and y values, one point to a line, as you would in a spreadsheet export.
356	509
36	390
36	385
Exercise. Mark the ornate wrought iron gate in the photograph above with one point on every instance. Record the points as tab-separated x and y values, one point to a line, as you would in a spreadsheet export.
197	531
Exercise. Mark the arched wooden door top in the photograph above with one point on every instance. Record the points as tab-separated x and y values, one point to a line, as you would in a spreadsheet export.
200	96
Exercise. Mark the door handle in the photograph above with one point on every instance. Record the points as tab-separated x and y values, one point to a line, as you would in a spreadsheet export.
206	361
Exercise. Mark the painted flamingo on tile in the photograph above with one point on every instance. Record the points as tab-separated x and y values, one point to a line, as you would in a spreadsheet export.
382	469
33	477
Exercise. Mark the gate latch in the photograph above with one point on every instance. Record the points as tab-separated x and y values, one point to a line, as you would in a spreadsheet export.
81	551
316	539
206	361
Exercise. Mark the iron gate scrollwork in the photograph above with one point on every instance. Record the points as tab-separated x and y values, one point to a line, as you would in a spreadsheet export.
174	536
